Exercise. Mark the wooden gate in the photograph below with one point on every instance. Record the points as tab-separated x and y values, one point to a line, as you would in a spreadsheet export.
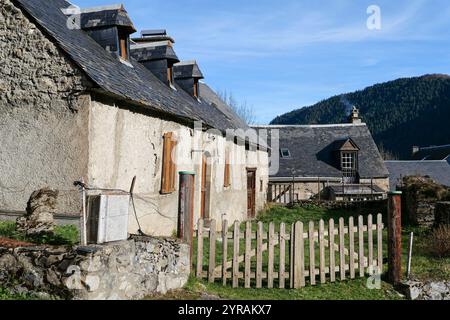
256	255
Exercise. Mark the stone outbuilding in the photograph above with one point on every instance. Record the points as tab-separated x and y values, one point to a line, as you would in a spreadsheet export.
80	98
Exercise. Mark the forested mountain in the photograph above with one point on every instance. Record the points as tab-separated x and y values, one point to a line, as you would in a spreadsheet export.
400	113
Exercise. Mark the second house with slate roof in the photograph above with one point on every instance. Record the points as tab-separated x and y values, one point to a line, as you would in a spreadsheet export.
80	98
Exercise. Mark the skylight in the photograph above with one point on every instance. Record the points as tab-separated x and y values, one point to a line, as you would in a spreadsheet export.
285	153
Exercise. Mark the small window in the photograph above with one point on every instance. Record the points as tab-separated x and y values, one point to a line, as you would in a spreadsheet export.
227	173
168	177
285	153
170	75
196	88
123	45
349	164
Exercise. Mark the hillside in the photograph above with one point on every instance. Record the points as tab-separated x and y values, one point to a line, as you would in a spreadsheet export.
400	113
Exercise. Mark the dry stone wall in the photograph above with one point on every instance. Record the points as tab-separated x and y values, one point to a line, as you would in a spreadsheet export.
118	271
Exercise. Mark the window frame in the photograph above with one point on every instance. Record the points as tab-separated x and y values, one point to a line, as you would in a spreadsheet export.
349	163
123	45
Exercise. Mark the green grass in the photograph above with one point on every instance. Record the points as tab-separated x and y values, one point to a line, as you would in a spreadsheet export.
349	290
7	295
63	235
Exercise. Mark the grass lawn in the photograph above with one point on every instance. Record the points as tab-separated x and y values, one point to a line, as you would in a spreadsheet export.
63	235
349	290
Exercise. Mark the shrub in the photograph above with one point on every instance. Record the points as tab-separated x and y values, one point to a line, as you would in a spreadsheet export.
439	242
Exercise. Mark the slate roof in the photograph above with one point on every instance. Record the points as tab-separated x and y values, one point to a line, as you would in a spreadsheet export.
103	18
439	171
433	153
153	51
187	69
135	84
313	151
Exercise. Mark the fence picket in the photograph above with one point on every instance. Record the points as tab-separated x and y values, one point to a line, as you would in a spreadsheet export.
212	251
271	249
380	243
248	249
291	257
312	255
322	251
200	249
361	246
299	257
342	248
259	257
236	233
224	252
370	243
351	236
331	250
282	241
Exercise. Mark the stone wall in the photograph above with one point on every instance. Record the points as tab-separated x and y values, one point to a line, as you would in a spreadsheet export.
126	142
416	290
421	196
43	115
442	213
118	271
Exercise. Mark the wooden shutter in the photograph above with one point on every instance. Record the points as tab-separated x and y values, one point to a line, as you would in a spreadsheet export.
168	176
227	180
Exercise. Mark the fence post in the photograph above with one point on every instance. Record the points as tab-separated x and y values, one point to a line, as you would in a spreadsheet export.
394	237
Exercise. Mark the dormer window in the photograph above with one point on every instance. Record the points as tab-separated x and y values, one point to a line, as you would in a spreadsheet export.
170	75
196	88
349	164
285	153
123	45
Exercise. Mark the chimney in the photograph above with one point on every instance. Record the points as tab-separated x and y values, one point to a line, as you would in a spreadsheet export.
110	26
154	49
187	75
354	117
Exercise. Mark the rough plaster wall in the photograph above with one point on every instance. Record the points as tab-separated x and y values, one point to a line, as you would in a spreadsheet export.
43	116
125	144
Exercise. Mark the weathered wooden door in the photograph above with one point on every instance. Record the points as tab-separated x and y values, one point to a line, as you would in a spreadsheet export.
204	206
251	193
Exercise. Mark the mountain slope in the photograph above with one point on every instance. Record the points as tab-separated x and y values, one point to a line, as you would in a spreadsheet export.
400	113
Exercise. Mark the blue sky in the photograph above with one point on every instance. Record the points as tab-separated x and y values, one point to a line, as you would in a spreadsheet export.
282	55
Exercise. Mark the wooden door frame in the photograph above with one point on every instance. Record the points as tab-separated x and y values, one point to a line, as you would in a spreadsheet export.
252	215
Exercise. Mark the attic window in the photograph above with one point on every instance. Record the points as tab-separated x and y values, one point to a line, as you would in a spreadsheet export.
123	45
349	164
285	153
196	88
170	75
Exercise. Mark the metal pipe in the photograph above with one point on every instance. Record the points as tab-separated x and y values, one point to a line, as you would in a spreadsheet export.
408	270
84	219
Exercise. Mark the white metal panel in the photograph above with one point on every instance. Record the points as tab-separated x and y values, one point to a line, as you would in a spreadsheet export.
113	218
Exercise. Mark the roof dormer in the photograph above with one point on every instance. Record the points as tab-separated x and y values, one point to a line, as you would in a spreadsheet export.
187	75
155	51
110	26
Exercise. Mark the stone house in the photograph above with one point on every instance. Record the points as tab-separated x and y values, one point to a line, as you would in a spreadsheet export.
80	98
338	162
